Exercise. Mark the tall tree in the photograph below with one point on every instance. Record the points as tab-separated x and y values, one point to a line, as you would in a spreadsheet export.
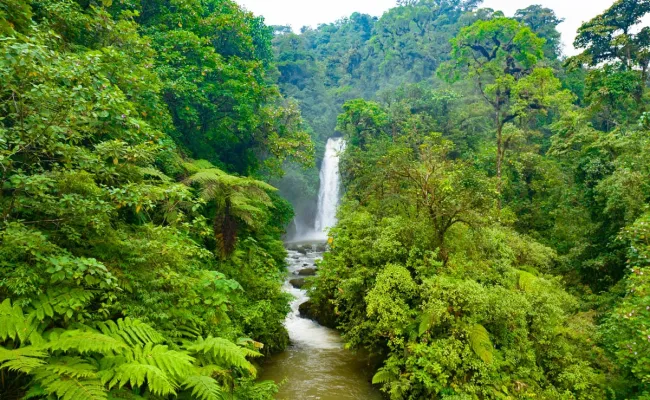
543	22
502	57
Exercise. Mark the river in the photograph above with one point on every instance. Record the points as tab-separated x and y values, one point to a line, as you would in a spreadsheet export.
316	365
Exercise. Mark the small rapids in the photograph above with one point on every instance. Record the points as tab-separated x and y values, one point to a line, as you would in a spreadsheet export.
316	365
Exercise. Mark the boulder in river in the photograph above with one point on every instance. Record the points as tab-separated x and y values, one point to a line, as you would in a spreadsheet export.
320	247
307	272
324	317
298	283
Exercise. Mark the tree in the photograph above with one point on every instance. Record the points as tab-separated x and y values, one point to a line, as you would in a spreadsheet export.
446	192
611	38
237	199
543	22
502	57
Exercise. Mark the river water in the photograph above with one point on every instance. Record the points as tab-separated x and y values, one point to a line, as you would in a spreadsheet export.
316	365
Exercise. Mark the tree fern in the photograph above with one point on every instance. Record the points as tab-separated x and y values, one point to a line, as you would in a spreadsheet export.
479	340
223	352
204	388
24	359
237	199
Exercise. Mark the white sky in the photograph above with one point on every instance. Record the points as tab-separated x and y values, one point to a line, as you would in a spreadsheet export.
299	13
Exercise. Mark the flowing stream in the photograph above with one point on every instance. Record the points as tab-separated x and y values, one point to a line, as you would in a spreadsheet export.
316	365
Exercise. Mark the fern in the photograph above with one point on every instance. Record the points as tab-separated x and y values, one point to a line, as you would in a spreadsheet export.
22	360
15	325
173	363
156	365
383	376
84	342
135	374
479	340
69	387
223	352
204	388
130	331
150	171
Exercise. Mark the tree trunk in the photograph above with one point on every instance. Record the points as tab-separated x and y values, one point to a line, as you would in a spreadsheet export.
500	154
225	230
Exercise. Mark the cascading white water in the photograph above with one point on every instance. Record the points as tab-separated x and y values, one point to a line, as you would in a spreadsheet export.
330	187
316	364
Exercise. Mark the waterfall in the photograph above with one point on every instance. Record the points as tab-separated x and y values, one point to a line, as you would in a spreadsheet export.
329	193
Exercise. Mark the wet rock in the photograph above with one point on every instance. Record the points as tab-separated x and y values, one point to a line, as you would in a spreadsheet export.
302	250
324	317
320	247
307	271
298	283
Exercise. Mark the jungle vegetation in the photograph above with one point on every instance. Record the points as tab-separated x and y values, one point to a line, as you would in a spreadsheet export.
493	240
140	251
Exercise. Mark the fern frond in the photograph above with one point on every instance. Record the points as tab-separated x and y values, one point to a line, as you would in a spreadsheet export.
69	387
14	324
207	176
197	165
204	388
174	364
135	374
383	376
72	367
131	331
35	391
85	342
23	359
223	352
479	340
150	171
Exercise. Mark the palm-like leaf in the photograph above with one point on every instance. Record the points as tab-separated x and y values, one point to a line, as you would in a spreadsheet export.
237	198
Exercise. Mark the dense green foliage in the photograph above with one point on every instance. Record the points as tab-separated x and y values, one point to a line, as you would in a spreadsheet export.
127	268
492	242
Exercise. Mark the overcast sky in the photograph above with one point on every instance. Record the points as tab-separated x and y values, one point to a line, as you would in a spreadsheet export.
298	13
